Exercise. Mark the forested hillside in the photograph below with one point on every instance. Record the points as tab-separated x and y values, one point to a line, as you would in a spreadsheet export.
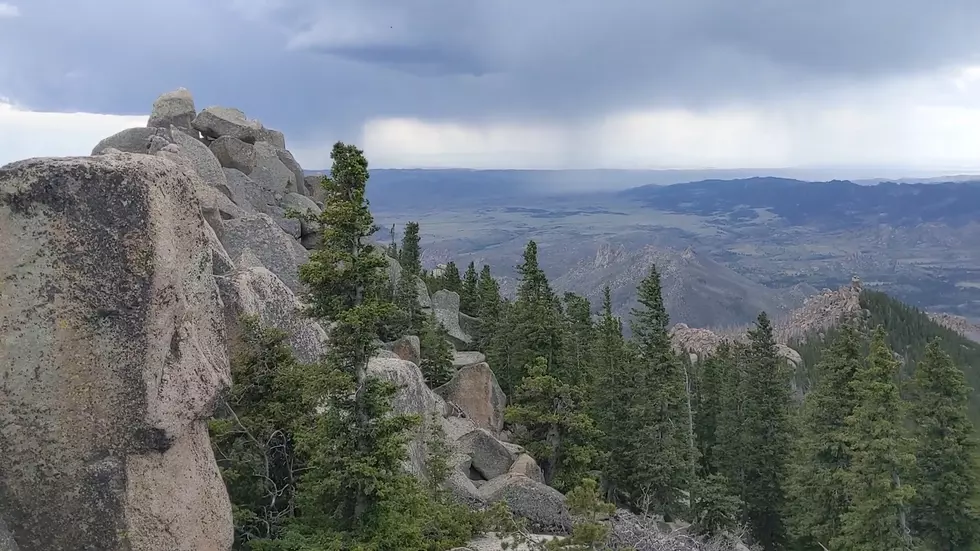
650	450
908	333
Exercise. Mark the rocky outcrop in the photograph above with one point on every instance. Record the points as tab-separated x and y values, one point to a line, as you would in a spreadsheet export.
112	360
959	324
215	122
262	237
527	466
255	291
820	312
173	109
124	279
701	342
461	359
485	468
475	391
489	457
445	305
543	506
407	348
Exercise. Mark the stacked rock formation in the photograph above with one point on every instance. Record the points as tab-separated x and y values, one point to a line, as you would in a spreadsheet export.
122	279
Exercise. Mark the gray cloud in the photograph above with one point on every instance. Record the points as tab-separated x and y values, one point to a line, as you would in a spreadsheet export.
308	66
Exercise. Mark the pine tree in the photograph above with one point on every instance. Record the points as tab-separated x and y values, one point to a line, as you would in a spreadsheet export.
354	490
712	391
488	308
578	362
880	457
558	431
451	279
392	250
946	480
532	326
660	442
252	434
612	394
727	449
346	280
589	532
716	508
469	299
823	456
410	255
437	354
406	299
766	436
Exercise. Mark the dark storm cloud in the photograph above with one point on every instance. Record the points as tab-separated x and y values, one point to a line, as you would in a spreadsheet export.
307	64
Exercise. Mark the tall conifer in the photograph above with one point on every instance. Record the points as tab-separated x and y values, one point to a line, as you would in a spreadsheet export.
946	482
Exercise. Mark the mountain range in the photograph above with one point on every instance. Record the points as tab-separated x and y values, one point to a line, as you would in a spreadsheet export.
729	247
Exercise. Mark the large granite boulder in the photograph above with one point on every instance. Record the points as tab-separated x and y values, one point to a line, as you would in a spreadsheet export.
305	206
200	158
234	153
273	137
543	506
113	357
413	398
474	389
255	291
488	456
527	466
445	305
270	172
314	188
407	348
174	108
287	159
135	140
461	359
260	235
214	122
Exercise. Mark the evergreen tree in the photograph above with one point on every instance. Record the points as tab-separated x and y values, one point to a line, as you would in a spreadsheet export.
411	318
943	514
410	255
488	308
613	392
579	336
878	499
727	449
437	354
393	246
713	388
716	508
766	436
558	432
469	299
823	456
589	532
532	326
659	422
329	473
346	281
451	279
252	434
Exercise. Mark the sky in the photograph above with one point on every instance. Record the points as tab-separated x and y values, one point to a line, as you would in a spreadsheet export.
632	84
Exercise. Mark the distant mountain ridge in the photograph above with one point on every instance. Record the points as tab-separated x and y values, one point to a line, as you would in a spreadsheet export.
837	203
470	186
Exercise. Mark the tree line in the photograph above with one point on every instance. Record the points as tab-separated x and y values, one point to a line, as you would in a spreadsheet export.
312	454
